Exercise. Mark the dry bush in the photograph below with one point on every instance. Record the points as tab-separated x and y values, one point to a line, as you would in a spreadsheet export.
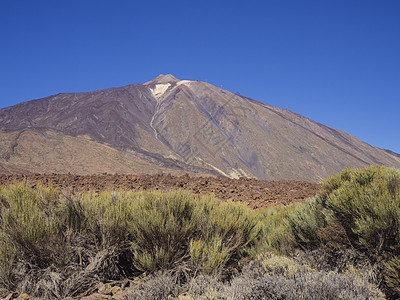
161	286
262	280
256	283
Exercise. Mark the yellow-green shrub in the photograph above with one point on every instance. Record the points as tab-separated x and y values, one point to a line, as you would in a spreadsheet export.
110	214
211	255
7	257
306	222
391	274
29	220
366	202
161	228
228	232
276	232
177	226
283	265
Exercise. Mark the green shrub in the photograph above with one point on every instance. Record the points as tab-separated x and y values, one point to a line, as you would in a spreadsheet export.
7	257
54	245
29	221
108	215
357	206
392	274
211	255
176	226
366	202
306	221
276	232
69	243
161	229
228	232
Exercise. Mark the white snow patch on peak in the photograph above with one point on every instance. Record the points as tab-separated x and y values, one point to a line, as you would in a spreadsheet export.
160	89
183	82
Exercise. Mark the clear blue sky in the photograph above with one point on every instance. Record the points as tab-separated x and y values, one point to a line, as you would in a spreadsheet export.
336	62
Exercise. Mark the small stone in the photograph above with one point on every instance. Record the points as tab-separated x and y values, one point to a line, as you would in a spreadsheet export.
126	283
119	295
23	297
105	289
115	289
184	296
97	296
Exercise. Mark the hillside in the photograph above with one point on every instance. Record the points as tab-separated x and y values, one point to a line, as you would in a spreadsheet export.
174	126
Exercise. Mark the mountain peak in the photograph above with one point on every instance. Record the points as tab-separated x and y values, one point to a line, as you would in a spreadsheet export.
162	79
169	124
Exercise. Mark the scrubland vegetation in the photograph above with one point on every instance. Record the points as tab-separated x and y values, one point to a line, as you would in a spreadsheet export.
342	244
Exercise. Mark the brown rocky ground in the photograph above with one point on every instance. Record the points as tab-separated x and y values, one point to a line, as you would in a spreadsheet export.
255	193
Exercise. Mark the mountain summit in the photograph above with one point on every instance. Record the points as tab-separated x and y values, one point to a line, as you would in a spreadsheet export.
163	79
174	126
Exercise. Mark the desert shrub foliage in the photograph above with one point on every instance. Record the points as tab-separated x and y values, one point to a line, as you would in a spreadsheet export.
340	244
54	245
367	204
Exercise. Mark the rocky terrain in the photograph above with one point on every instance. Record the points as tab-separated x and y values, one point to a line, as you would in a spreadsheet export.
174	126
253	192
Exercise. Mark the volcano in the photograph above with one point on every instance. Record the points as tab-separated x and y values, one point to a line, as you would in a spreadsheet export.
174	126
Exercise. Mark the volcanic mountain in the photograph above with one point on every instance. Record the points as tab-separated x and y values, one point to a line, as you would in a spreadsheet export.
174	126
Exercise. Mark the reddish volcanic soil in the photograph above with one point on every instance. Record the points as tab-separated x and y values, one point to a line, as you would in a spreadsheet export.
256	193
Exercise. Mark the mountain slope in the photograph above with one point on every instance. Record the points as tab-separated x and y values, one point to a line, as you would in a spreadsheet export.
33	152
191	126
